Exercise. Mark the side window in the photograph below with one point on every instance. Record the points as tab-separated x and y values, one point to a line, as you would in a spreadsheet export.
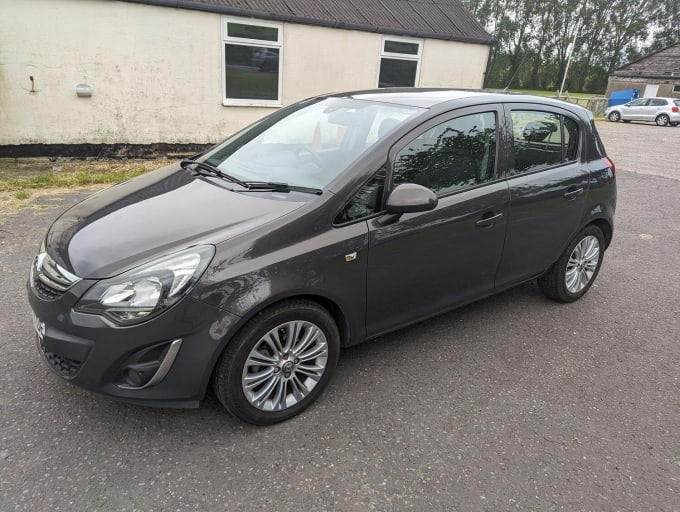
570	139
639	103
366	202
542	139
657	102
456	154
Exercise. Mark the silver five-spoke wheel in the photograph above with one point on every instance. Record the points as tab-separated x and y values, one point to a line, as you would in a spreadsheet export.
285	365
582	264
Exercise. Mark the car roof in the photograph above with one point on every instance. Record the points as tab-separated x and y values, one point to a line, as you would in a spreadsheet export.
431	98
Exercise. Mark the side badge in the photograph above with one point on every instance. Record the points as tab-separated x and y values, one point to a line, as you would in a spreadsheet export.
350	257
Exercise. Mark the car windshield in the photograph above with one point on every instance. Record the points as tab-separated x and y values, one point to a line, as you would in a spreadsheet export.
307	144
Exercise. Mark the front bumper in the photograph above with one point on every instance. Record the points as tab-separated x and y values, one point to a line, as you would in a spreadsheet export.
178	349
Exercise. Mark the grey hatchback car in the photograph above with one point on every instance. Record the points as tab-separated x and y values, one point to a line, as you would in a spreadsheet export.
662	111
329	222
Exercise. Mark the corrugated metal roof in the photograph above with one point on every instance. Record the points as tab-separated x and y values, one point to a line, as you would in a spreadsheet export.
438	19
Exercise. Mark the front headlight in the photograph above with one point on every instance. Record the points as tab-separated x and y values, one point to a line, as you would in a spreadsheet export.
145	291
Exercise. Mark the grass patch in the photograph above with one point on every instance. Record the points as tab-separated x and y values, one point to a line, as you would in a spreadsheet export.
75	174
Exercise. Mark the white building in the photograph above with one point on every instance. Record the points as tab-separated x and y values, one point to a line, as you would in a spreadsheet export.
138	72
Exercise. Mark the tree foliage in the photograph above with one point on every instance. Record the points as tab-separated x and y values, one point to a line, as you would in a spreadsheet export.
534	38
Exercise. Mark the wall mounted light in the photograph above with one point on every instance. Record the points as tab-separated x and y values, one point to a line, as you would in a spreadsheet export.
83	90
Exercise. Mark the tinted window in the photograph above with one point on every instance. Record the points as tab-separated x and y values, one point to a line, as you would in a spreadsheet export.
453	155
537	140
570	139
252	72
639	103
543	139
657	102
366	202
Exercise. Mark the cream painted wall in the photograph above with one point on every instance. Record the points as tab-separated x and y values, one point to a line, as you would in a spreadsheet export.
156	72
453	64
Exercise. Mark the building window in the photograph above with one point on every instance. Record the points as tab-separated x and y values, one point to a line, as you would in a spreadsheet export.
252	60
676	89
400	62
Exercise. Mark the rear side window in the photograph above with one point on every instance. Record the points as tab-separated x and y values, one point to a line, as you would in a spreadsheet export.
656	102
542	140
456	154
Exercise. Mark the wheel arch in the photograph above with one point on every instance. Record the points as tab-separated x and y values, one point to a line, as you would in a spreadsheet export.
606	228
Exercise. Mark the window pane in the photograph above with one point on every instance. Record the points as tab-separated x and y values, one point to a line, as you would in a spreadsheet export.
401	47
397	73
570	139
538	143
252	72
366	202
457	154
252	32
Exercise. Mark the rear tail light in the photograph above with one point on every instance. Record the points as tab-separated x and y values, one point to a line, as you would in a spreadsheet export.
610	164
674	109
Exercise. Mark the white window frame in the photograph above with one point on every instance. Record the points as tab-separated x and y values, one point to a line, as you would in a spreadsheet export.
278	44
401	56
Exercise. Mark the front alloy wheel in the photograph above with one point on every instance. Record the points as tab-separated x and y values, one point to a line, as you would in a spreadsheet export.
284	366
278	363
614	116
574	273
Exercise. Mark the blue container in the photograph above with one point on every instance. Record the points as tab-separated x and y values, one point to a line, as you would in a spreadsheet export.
621	97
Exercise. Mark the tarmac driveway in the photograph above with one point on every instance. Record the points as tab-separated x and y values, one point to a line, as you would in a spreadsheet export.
513	403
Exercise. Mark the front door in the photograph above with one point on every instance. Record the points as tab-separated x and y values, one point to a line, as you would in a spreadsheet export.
427	262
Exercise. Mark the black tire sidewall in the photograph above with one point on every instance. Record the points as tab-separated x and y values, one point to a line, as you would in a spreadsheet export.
228	379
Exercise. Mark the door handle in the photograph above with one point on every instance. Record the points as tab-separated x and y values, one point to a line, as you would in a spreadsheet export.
572	194
489	220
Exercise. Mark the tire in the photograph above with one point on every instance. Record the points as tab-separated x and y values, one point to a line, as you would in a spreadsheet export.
662	120
614	116
281	385
575	272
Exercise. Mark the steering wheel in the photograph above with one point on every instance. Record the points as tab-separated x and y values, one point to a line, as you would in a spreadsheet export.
308	149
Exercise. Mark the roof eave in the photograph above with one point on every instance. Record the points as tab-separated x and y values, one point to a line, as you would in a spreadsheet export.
249	13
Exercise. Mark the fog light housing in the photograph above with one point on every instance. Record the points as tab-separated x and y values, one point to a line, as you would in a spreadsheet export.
148	366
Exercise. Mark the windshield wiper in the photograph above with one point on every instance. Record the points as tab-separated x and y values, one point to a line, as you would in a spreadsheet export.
206	169
278	186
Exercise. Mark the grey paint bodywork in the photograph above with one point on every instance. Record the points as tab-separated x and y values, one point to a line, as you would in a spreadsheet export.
373	277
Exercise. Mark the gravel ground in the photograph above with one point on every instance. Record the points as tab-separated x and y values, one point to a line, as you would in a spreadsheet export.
512	403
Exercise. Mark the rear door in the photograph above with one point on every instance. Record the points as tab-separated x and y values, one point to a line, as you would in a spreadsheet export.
548	185
429	261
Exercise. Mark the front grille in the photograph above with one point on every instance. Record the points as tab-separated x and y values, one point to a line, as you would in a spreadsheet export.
46	292
62	365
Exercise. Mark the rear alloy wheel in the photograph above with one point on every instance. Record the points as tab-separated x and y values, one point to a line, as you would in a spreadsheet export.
574	273
663	120
614	116
279	363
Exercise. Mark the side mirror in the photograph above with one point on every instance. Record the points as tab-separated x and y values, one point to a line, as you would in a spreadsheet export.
409	198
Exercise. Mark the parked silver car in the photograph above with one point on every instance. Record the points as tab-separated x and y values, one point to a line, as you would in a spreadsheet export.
662	111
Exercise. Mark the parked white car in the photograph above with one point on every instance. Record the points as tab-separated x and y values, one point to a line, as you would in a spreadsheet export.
662	111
